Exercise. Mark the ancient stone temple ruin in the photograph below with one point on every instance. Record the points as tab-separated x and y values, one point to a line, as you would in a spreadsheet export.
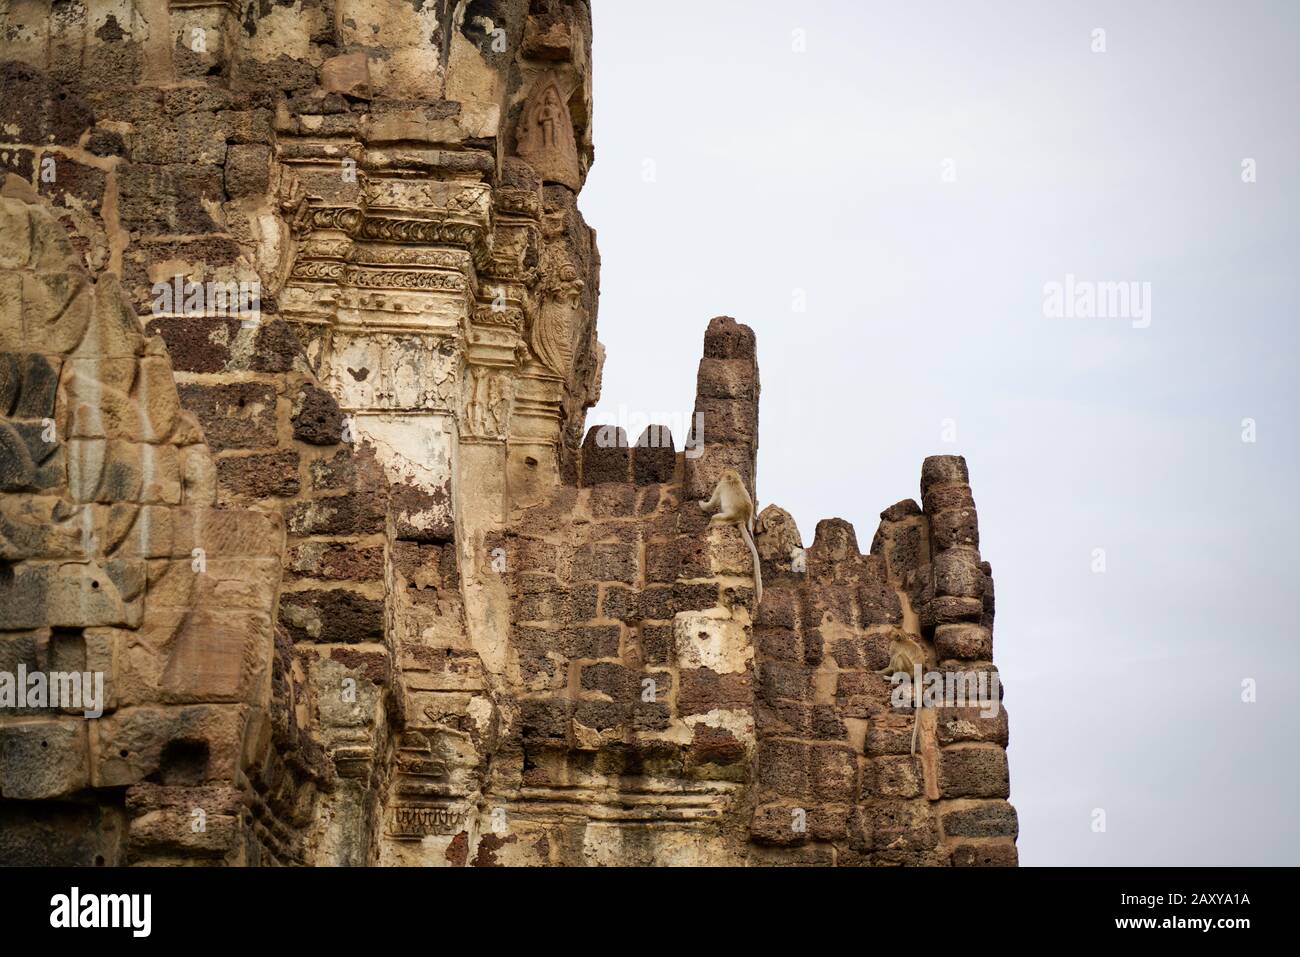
297	335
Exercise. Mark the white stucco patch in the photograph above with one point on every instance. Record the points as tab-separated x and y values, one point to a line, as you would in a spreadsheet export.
712	639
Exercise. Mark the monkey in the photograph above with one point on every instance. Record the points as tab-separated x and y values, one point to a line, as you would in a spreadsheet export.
735	507
906	656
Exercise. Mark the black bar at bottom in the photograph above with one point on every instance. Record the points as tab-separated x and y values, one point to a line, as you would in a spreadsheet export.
925	908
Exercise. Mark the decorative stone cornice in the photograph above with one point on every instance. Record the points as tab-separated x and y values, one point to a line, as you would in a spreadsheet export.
319	270
374	254
458	231
363	278
509	317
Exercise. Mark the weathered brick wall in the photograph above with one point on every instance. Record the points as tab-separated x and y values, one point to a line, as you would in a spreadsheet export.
632	673
647	684
833	743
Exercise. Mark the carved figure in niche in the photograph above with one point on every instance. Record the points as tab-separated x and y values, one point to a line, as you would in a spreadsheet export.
498	404
476	401
487	403
548	116
544	136
558	319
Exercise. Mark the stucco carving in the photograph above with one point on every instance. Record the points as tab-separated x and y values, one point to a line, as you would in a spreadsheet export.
544	136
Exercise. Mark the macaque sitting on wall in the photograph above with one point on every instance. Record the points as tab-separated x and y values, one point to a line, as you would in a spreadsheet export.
733	506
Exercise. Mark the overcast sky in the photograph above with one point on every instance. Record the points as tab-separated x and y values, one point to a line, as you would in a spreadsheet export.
915	177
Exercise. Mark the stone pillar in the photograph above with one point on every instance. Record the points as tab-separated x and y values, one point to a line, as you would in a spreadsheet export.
725	424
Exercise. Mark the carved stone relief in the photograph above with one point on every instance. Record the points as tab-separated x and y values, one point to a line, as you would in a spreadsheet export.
488	395
544	136
559	317
393	371
776	536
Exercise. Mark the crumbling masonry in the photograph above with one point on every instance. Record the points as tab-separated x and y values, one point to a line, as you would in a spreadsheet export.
359	588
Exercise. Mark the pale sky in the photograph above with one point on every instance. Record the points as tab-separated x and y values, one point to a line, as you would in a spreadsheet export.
915	177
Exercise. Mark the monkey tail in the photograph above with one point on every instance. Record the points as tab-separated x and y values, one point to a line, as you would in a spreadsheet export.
916	714
758	571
